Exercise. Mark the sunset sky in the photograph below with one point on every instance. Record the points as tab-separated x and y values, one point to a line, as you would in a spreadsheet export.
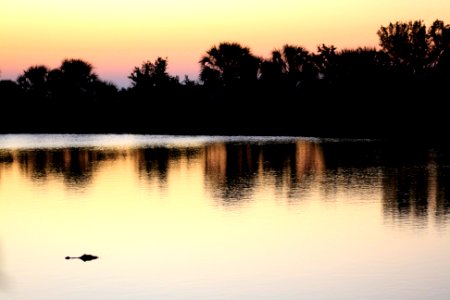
117	35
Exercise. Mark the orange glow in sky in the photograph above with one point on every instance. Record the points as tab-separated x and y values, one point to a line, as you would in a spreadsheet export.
117	35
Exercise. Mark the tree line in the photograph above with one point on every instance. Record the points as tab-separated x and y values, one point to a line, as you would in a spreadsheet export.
397	90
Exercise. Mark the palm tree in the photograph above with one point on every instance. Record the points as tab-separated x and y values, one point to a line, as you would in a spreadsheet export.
76	79
326	62
273	70
292	64
299	64
229	64
78	72
34	81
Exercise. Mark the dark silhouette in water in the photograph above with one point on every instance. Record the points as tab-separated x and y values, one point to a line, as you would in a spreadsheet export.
84	257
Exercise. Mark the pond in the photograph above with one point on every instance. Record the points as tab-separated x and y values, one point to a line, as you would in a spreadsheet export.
217	217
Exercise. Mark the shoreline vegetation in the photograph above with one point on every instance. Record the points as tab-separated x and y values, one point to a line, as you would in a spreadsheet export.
399	91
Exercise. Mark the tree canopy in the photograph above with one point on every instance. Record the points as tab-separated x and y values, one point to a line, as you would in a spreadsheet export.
294	86
414	48
229	64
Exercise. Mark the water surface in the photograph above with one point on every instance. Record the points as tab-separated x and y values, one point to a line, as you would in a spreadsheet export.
179	217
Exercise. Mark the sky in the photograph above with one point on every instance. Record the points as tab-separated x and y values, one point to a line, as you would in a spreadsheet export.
117	35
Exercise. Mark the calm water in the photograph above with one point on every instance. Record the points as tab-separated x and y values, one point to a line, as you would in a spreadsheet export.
222	218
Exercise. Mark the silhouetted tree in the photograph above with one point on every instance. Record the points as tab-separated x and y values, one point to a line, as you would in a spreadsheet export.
293	65
152	75
406	44
78	72
419	65
34	81
229	64
439	48
188	82
8	87
75	79
10	95
56	85
106	93
357	78
240	90
326	62
298	64
273	69
361	65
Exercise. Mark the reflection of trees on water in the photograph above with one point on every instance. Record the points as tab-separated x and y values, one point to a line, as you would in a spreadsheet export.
414	178
76	166
309	159
154	162
6	159
415	181
230	170
442	188
233	170
309	168
416	185
405	193
351	166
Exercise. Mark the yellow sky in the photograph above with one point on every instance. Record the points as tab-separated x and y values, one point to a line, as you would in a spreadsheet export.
117	35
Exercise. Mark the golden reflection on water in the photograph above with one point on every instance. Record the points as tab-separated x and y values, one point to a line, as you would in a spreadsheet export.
221	220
